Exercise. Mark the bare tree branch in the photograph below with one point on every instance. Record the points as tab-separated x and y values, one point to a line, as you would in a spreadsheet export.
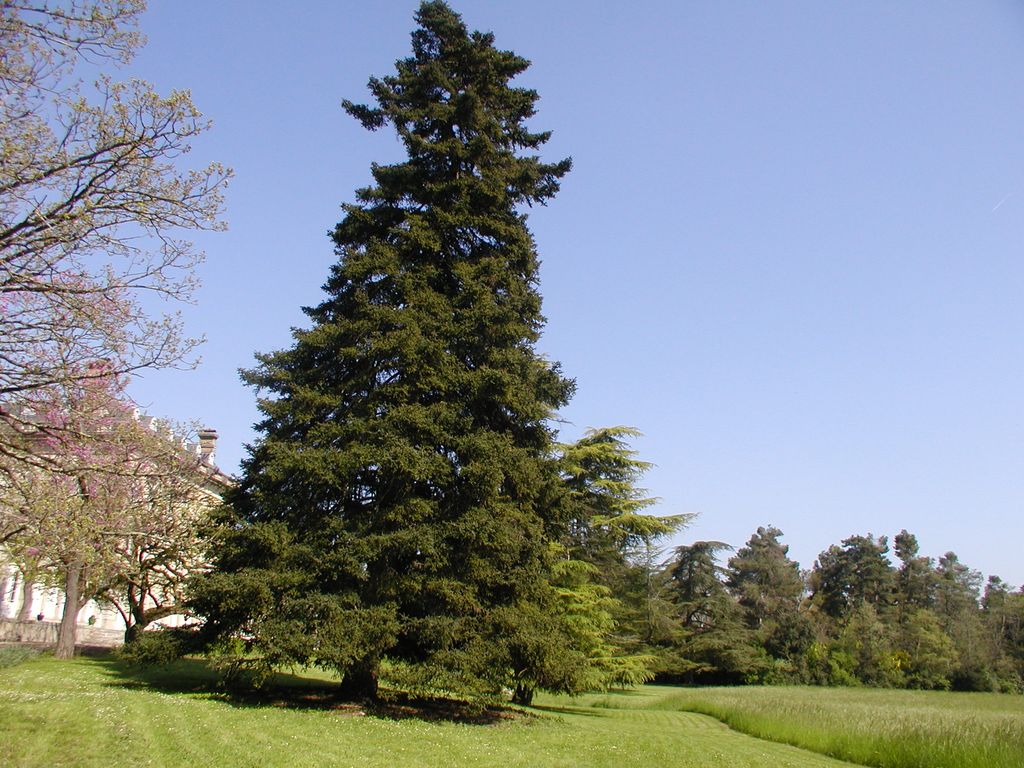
92	203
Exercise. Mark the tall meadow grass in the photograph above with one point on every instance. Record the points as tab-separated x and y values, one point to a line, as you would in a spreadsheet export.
882	728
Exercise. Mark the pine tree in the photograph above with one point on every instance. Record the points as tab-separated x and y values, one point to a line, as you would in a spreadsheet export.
401	499
916	577
607	520
713	643
769	587
957	605
599	577
856	572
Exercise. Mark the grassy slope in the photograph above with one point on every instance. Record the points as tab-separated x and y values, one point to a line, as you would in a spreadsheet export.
90	713
884	728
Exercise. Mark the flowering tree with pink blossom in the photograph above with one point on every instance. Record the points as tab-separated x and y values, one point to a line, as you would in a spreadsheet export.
115	511
162	543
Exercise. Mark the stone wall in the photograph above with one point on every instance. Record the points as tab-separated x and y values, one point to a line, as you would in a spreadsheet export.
45	633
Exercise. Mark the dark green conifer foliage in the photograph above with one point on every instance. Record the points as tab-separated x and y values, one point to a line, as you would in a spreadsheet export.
916	577
762	577
405	465
770	589
856	572
957	605
608	525
713	644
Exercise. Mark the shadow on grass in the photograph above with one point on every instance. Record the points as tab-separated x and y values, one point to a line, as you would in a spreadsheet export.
290	691
569	710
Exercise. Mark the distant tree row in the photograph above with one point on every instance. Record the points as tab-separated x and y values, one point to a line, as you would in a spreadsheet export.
854	618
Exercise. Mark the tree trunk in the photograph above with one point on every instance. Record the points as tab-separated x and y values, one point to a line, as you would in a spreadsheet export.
137	615
142	618
360	681
69	620
523	694
25	614
132	633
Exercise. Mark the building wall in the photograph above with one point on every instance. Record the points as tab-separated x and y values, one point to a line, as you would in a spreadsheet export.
47	604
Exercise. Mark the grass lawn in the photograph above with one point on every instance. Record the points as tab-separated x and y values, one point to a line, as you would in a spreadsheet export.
93	712
884	728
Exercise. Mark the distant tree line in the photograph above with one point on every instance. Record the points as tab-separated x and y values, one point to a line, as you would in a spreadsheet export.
700	616
856	618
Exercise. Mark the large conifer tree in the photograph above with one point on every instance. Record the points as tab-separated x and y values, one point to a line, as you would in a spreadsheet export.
401	498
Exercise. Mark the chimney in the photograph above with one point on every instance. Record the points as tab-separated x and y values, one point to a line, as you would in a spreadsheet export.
207	444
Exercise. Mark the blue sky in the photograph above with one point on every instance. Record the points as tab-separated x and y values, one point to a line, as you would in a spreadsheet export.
789	251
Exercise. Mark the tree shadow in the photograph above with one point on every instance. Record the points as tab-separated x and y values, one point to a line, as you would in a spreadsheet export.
564	709
192	676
